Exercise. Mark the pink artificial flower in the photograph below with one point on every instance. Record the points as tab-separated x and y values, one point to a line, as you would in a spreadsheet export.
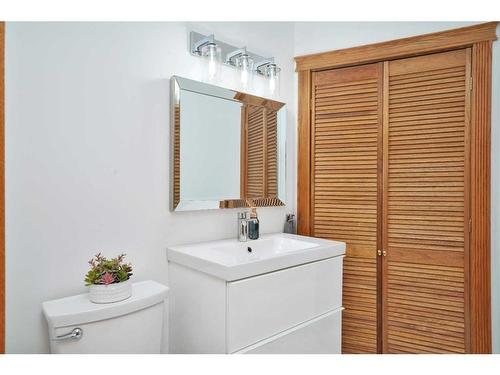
107	278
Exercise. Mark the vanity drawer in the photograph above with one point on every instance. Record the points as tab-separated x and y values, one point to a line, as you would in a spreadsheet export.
263	306
322	335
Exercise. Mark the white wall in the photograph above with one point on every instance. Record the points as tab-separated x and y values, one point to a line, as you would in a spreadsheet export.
313	37
87	155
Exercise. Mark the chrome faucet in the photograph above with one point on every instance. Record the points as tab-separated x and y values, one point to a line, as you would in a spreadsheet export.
243	226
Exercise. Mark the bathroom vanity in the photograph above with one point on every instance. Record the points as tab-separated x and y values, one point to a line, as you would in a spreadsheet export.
279	294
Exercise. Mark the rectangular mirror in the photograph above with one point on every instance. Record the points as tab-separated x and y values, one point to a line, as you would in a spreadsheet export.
228	148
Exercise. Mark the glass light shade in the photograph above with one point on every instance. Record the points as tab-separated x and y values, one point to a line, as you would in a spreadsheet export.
212	54
272	72
245	64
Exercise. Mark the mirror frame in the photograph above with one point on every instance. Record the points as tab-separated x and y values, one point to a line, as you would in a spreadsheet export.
176	204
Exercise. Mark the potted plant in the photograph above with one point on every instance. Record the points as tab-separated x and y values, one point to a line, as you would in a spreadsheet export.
109	279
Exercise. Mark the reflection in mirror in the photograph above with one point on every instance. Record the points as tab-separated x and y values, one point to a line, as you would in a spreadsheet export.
228	148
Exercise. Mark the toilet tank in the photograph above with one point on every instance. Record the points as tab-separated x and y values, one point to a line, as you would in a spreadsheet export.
138	324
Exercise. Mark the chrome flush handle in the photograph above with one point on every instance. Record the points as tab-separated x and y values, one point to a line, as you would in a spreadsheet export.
75	334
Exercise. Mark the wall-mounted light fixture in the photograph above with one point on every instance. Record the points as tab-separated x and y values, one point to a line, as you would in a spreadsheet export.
271	71
247	62
207	47
240	59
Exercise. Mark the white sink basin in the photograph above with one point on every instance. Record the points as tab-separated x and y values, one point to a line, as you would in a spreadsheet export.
232	260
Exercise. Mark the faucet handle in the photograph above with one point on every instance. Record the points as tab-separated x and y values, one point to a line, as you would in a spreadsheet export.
243	226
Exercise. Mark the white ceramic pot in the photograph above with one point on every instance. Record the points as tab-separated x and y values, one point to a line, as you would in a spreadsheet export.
110	293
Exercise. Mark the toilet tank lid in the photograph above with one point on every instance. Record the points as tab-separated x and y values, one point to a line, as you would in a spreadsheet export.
79	310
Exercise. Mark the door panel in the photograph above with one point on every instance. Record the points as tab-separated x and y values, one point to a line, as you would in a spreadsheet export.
418	211
426	135
345	188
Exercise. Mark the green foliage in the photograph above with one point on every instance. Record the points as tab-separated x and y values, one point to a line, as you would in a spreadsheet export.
92	277
115	269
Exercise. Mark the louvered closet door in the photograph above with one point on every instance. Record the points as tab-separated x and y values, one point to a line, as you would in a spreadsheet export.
346	131
426	204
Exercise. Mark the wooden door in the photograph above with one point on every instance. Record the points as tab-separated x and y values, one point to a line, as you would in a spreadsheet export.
426	203
435	277
345	188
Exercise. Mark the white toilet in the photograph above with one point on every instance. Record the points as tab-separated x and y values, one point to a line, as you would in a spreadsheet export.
136	325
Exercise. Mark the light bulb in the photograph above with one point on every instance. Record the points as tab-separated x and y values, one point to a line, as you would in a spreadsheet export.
211	52
212	61
272	75
244	78
272	83
212	70
246	66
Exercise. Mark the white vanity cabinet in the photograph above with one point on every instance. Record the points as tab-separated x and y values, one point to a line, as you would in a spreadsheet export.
296	309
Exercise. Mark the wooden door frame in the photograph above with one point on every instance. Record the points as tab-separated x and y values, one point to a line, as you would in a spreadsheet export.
2	190
479	38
